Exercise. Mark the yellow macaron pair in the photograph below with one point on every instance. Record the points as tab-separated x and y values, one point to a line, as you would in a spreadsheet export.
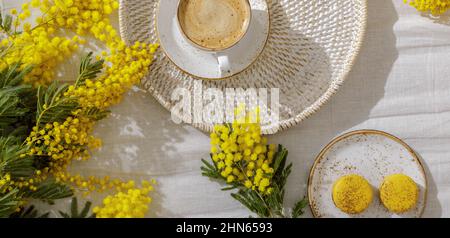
353	194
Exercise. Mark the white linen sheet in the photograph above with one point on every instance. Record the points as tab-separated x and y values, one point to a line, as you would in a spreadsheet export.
400	83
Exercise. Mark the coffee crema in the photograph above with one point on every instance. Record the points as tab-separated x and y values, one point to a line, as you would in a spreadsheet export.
214	24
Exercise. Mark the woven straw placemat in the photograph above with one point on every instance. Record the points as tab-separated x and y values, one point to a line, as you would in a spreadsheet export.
311	48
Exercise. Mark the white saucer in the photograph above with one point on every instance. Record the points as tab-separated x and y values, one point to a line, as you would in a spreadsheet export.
203	64
373	155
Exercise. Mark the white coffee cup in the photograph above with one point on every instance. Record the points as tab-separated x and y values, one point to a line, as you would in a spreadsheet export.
220	53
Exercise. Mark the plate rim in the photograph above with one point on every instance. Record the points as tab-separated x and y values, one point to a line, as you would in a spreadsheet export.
364	132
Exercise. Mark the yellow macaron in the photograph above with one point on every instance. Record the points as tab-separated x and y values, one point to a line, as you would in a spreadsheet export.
352	194
399	193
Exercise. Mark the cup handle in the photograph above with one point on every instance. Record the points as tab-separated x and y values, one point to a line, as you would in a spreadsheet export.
224	65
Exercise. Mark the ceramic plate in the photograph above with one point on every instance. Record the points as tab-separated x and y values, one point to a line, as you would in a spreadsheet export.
203	64
371	154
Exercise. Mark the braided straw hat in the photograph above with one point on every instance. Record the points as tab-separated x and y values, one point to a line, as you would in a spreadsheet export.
311	48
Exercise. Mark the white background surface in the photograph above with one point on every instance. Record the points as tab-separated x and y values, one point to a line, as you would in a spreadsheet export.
399	84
